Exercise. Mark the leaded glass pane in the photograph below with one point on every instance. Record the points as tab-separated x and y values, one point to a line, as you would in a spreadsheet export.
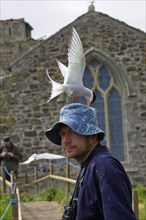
116	127
88	82
88	79
94	63
99	105
104	79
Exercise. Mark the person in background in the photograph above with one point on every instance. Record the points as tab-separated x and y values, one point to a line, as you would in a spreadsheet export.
103	190
10	155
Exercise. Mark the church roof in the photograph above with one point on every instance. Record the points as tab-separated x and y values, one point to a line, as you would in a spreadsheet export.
95	21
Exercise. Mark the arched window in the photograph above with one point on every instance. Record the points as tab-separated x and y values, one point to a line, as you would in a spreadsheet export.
99	77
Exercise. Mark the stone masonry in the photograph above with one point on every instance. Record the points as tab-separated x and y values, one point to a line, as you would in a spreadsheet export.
25	88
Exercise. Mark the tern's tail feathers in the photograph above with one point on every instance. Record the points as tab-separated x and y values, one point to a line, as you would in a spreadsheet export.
57	88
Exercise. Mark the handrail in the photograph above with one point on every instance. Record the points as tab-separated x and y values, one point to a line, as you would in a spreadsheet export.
61	178
6	182
19	204
14	198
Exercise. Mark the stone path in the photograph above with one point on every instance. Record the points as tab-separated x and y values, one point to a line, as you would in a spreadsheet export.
41	210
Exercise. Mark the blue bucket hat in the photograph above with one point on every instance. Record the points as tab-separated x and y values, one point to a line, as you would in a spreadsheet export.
80	118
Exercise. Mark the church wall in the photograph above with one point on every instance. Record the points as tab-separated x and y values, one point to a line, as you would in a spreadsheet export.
26	89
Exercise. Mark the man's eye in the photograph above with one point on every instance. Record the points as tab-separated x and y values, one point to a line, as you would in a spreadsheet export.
72	132
61	134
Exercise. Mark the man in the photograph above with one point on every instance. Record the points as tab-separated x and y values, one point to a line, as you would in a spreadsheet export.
10	155
103	189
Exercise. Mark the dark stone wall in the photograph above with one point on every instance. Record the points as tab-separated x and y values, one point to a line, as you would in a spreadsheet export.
25	113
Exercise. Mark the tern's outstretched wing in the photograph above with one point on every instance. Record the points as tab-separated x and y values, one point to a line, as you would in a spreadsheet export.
30	159
76	59
48	156
62	68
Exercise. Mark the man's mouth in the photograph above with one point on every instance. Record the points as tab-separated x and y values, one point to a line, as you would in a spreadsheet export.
69	149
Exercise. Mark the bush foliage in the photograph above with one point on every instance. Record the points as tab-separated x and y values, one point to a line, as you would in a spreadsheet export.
141	201
4	203
49	194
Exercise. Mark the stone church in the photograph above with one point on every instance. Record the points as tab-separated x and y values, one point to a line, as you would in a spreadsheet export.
115	71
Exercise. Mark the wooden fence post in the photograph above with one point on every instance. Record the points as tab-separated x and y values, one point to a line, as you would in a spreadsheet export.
4	177
50	167
35	178
14	203
67	176
14	199
26	181
13	179
135	198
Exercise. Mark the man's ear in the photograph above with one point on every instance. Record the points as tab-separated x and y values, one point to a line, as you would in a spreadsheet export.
94	138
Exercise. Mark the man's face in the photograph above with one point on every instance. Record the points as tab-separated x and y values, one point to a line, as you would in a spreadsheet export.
75	145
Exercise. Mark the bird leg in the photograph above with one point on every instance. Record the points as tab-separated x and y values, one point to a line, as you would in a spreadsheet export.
74	97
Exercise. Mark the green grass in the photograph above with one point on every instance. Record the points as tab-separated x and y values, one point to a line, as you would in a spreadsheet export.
50	194
141	201
4	202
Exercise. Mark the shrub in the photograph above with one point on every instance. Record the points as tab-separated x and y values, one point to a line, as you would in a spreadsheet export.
141	201
4	202
49	194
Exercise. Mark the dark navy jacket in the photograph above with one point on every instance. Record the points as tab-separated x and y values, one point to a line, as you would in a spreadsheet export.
105	193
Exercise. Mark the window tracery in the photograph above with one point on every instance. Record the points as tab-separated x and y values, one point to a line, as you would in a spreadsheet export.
99	77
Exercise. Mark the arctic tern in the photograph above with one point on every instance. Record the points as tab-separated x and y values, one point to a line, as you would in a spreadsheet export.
73	74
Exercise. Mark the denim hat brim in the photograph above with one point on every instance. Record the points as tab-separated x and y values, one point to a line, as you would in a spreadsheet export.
53	133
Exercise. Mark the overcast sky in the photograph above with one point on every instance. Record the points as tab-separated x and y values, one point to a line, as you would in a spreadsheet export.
47	17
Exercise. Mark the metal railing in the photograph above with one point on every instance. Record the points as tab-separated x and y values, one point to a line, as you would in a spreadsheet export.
13	190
